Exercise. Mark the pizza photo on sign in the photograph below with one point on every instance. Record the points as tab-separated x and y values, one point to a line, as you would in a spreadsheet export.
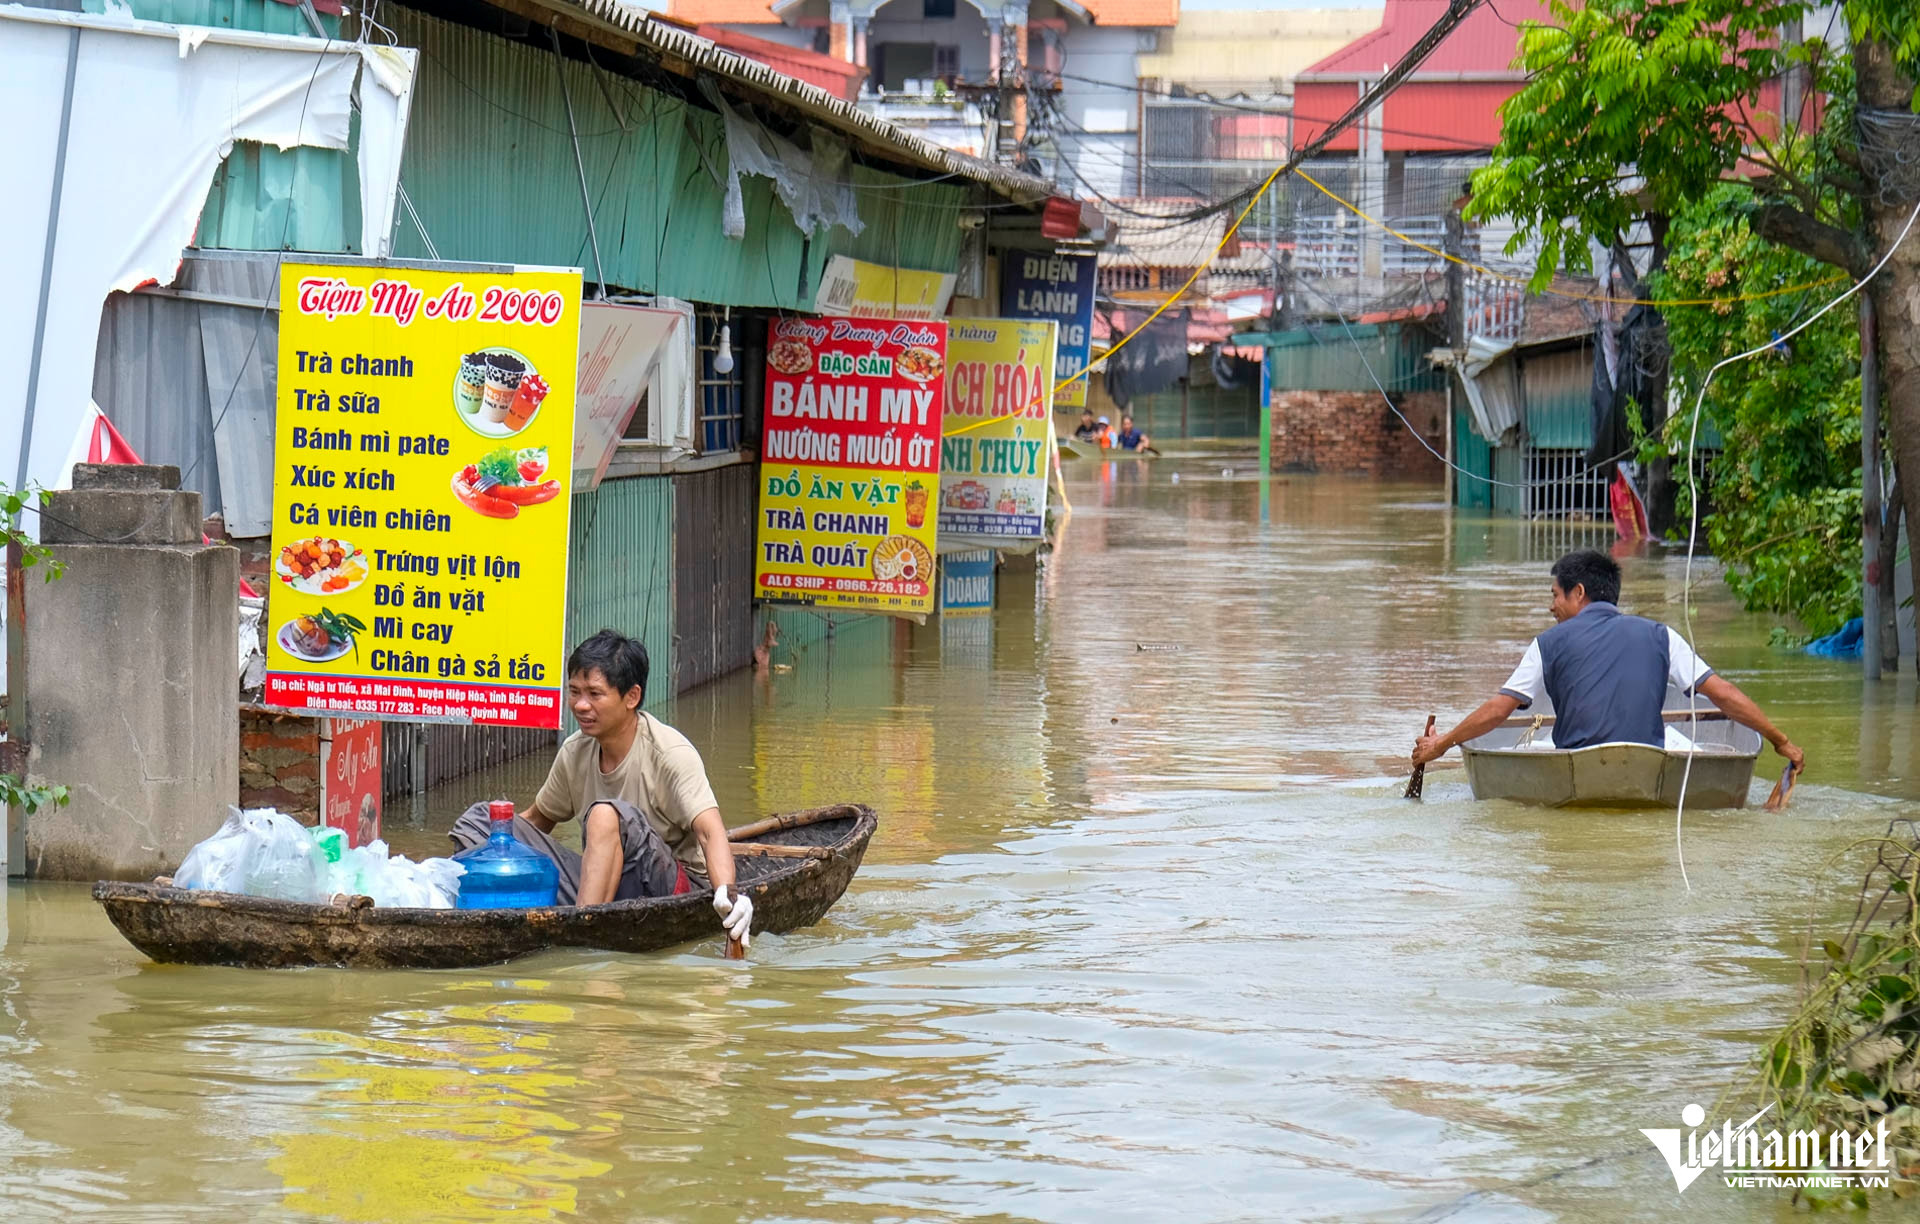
790	357
901	558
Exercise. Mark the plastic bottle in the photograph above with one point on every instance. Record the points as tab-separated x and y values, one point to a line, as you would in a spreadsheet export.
503	874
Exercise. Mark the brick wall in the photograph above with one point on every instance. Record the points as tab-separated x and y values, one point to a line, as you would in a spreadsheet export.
280	763
1354	433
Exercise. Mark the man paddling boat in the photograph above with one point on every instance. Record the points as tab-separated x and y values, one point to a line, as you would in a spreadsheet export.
649	821
1606	673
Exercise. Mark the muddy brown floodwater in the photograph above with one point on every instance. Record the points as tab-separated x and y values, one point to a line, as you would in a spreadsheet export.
1147	933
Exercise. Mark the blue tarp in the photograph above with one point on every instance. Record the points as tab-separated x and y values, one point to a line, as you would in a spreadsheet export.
1844	644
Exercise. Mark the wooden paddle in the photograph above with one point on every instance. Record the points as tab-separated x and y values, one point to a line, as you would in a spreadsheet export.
1419	777
735	949
1782	790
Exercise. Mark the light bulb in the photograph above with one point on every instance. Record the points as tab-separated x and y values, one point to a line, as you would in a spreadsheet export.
723	359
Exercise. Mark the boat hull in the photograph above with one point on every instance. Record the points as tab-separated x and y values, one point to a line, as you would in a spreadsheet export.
181	926
1611	776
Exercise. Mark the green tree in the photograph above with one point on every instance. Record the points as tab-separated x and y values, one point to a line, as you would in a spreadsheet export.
17	791
1785	514
1641	109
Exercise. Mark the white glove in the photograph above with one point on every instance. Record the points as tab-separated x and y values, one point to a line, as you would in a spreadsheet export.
736	914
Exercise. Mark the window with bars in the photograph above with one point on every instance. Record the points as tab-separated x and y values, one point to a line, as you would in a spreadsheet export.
719	402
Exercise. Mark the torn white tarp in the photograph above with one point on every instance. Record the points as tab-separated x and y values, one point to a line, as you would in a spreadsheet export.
814	186
155	108
1492	384
619	350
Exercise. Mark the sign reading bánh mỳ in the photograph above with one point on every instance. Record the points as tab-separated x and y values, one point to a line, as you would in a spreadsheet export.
850	463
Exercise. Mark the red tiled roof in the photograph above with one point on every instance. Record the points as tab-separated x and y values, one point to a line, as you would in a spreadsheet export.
837	77
1133	12
1484	43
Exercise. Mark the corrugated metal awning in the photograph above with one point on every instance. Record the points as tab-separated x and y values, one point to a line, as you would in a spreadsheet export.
634	31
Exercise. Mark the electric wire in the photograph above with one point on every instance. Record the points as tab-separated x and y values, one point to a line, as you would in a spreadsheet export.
1693	497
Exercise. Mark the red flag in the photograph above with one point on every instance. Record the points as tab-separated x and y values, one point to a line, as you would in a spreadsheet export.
1629	512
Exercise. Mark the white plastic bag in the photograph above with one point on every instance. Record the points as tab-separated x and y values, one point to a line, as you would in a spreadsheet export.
400	882
261	853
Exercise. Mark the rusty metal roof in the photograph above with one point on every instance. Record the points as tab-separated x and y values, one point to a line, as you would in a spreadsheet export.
633	31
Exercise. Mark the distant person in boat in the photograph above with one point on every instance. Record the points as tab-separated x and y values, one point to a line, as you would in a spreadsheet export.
1129	438
1089	430
1606	673
1104	435
649	821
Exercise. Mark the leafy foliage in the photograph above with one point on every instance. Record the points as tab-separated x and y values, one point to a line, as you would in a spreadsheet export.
1785	491
1851	1056
24	794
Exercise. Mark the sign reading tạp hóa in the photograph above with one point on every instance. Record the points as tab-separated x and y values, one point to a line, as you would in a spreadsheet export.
850	464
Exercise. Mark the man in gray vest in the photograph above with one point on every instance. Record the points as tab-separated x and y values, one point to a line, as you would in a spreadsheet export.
1606	673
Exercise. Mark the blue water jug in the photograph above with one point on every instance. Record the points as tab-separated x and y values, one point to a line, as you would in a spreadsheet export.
503	874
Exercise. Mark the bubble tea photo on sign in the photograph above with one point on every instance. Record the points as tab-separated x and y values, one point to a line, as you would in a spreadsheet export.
497	391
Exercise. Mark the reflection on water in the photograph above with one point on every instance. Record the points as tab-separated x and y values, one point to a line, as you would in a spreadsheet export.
1146	930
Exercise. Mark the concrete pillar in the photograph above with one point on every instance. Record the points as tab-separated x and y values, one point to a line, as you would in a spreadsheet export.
860	41
840	31
132	678
1373	192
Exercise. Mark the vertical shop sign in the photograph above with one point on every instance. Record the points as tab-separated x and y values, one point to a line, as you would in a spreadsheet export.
966	583
1061	288
850	466
999	430
350	760
422	460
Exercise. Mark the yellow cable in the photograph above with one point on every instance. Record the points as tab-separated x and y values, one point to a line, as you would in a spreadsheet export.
1580	297
1157	312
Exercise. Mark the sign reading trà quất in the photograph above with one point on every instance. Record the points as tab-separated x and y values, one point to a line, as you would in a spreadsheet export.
850	469
422	463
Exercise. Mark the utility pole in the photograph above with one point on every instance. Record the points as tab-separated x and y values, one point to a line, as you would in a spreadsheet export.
1876	589
1455	245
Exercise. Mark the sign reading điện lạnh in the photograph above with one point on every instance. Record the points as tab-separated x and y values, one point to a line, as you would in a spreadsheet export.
422	464
850	464
998	447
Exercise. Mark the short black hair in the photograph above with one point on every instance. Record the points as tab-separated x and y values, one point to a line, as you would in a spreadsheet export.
621	659
1596	571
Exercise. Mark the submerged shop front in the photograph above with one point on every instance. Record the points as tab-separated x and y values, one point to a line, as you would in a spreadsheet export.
699	197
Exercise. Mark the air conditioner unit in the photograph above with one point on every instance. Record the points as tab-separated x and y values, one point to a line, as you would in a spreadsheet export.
1147	40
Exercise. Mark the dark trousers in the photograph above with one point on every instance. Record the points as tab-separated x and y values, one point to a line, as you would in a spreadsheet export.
648	868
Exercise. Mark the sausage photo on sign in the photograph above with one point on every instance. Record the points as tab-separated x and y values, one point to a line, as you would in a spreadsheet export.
505	480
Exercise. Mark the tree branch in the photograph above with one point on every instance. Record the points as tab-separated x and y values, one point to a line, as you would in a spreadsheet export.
1829	244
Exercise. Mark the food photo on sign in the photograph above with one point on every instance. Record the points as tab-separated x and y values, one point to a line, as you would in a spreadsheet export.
850	463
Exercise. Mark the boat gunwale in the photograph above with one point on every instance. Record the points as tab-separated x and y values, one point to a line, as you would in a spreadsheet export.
862	821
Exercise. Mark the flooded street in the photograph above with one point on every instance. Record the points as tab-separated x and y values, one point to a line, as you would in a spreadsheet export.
1147	931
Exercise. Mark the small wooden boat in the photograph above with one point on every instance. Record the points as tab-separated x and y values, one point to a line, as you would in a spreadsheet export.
1073	448
794	866
1508	763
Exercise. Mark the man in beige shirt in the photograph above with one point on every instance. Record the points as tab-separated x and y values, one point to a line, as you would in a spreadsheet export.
649	820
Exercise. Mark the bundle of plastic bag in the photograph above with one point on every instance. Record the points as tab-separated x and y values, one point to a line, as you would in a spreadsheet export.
261	853
399	881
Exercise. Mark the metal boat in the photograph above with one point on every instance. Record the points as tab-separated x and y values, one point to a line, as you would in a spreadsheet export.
1518	761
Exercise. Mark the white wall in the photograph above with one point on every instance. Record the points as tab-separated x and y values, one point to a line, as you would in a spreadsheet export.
900	21
1105	159
791	36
